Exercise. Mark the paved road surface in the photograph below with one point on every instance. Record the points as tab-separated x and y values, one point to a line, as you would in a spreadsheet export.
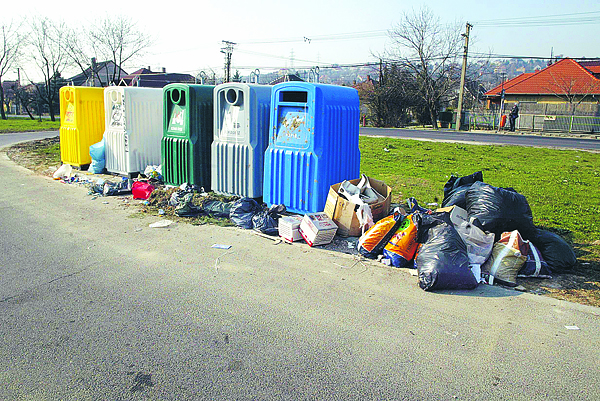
94	304
7	139
487	138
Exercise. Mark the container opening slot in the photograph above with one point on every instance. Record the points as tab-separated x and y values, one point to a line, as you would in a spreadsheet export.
178	97
114	96
233	97
294	96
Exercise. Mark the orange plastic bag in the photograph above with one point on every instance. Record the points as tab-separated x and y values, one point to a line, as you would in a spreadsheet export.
401	248
375	239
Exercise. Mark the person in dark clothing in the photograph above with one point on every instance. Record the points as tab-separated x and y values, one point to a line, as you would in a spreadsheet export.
512	117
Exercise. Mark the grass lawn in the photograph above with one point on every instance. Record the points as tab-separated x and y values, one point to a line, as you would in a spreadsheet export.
21	124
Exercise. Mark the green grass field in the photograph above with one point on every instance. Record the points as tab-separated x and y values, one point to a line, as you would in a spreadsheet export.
561	186
21	124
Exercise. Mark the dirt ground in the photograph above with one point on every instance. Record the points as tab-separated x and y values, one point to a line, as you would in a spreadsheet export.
39	157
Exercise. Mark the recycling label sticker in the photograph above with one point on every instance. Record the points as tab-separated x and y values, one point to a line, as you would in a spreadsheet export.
70	113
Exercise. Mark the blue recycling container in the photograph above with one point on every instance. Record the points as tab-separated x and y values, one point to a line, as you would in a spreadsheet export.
241	136
313	144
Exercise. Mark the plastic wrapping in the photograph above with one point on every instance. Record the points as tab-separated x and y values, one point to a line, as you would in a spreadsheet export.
479	244
442	260
499	209
98	159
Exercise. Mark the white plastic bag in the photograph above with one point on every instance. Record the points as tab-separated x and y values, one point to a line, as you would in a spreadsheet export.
63	171
365	217
479	244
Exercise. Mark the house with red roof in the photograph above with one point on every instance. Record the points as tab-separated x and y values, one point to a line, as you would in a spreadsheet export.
566	81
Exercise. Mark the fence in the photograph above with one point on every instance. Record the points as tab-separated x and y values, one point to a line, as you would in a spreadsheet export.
537	122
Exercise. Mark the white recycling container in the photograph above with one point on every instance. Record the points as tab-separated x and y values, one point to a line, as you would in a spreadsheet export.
241	136
133	128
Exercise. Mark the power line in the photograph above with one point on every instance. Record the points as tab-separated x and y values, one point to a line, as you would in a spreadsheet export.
592	17
329	37
540	16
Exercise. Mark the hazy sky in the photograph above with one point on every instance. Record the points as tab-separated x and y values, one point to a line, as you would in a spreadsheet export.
188	34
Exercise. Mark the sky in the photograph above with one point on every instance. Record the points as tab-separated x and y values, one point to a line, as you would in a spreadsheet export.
270	35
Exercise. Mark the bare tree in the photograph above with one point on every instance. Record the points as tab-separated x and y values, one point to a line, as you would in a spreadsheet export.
389	99
47	52
428	51
26	96
11	42
573	88
76	47
117	39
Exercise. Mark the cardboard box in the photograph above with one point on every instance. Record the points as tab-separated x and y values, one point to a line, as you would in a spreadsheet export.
343	212
317	229
289	228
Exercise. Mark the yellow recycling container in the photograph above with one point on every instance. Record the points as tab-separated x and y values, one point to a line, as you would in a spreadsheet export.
81	123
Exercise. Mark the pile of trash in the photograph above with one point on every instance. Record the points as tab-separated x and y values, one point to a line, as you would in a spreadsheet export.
482	234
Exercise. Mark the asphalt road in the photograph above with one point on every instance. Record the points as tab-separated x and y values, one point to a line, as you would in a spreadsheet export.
487	138
7	139
94	305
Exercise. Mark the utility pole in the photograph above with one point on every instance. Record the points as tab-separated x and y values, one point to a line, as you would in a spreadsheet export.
18	110
227	50
502	93
462	78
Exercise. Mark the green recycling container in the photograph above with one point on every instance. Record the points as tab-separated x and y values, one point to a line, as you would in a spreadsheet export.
187	134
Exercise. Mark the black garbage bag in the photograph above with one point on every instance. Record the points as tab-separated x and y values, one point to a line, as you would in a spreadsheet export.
215	208
242	212
457	197
556	251
456	188
267	221
186	208
442	260
186	188
122	187
499	209
456	182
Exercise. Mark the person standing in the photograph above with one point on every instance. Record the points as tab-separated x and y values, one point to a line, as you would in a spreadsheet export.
512	117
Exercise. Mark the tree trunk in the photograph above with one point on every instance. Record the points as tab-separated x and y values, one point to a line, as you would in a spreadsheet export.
51	111
28	112
433	116
2	103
